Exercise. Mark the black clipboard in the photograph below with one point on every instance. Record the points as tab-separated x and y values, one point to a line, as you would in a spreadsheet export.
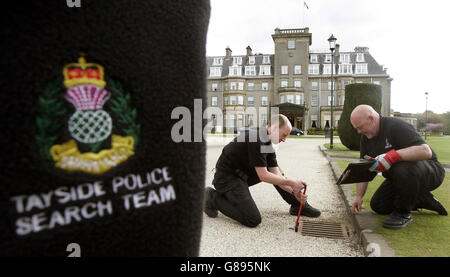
357	173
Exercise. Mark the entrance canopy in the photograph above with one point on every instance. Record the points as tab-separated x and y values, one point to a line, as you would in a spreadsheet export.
294	112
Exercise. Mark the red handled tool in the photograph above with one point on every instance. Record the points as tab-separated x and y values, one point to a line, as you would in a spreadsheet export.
299	212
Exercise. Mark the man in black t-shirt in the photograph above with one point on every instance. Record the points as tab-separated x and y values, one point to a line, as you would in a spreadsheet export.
409	165
246	161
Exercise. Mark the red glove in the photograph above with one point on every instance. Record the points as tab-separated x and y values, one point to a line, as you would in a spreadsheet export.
384	161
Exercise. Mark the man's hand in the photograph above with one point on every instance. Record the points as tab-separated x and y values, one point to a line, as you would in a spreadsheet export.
301	197
296	185
384	161
356	207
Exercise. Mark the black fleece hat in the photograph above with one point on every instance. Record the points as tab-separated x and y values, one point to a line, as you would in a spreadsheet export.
88	164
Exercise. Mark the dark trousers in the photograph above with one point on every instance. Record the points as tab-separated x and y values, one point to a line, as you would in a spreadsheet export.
405	185
233	198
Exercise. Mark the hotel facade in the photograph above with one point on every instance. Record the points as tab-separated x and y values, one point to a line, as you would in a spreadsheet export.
295	80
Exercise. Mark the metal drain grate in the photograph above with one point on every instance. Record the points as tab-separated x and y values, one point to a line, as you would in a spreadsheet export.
324	229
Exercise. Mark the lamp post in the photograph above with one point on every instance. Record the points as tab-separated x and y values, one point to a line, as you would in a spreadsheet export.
426	114
332	42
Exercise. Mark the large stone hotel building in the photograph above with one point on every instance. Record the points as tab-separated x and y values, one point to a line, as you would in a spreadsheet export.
295	79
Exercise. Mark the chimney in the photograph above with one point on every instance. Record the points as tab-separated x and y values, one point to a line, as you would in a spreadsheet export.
249	51
361	49
228	51
336	51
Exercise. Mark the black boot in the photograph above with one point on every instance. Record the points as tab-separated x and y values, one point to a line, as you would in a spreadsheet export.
307	210
429	202
210	208
397	220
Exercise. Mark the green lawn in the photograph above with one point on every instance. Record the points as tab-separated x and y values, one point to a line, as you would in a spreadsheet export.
440	145
427	236
340	150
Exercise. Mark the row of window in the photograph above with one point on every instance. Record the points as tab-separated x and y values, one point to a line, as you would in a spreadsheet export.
314	58
292	98
237	120
289	98
264	70
315	100
298	99
239	100
238	60
283	84
313	69
360	68
240	86
343	58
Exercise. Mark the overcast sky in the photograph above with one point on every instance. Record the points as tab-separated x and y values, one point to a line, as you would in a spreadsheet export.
409	37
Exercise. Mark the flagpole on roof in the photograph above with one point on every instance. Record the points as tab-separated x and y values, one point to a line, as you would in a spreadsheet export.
303	19
304	13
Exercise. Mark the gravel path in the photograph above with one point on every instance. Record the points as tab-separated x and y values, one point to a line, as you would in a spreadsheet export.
299	159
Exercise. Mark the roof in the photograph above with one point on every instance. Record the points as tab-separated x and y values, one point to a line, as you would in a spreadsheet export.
228	61
373	67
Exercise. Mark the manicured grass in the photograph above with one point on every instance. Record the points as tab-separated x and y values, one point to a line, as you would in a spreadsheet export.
341	150
427	236
440	145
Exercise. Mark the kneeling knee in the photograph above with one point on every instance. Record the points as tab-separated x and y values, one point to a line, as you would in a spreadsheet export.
252	222
379	208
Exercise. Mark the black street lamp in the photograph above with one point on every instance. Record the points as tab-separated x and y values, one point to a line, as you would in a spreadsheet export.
426	114
332	41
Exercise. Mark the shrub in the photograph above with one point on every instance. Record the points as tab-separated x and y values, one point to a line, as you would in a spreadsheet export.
357	94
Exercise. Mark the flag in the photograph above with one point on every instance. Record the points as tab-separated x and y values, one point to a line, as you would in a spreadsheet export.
304	3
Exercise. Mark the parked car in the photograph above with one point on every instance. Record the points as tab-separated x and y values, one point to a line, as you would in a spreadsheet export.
243	129
297	132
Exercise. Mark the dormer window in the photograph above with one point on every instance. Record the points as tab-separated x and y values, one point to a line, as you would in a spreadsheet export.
251	60
313	69
215	71
361	68
250	70
327	69
235	71
264	70
266	60
237	60
360	57
314	58
217	61
344	58
328	58
345	69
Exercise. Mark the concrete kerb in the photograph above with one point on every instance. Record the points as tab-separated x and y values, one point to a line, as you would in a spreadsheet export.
374	245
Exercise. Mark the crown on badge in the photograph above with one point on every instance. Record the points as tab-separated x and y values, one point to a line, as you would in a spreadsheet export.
82	73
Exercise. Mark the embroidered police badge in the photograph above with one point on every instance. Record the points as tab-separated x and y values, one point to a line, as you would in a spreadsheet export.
388	144
90	124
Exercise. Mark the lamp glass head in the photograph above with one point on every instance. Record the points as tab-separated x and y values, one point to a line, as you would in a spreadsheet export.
332	41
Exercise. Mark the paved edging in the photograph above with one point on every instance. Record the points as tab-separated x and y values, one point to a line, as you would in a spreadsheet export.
374	244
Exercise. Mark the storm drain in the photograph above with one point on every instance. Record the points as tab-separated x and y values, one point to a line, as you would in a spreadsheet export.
324	229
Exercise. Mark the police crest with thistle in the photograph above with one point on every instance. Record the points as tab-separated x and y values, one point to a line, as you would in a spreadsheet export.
90	124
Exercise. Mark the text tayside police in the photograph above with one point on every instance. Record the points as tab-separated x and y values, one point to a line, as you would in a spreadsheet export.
65	205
